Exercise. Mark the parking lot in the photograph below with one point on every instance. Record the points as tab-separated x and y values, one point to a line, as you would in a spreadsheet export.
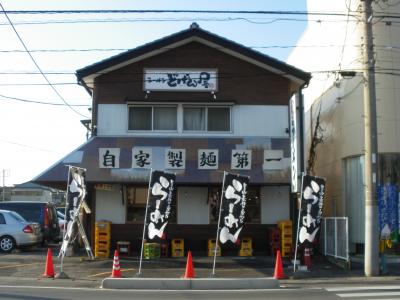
29	265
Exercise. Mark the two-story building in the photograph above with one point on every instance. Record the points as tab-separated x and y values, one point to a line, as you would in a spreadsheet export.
195	104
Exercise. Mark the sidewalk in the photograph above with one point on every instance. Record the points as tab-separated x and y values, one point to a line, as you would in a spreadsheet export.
25	268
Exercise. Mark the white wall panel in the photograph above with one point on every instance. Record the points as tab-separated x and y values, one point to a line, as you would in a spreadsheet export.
274	204
109	206
260	120
247	120
192	205
112	119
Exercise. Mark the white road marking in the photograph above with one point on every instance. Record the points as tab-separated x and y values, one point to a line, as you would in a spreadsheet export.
358	288
369	294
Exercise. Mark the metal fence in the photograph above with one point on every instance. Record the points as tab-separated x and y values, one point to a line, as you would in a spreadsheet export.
334	237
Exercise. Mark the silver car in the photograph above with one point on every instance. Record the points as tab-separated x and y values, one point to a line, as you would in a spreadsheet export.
15	231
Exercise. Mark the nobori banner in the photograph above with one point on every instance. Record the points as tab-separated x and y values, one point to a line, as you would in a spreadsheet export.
204	80
233	207
161	196
312	201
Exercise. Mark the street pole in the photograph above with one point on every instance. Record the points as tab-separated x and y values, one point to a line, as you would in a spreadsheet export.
371	254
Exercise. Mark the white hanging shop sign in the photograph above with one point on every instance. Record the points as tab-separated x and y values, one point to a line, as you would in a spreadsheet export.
195	80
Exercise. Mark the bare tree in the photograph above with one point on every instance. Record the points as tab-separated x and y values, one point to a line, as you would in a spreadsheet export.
317	138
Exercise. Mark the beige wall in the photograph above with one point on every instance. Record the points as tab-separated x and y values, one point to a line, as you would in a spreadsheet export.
341	99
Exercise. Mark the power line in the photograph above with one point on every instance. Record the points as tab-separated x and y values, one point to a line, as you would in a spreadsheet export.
162	11
168	48
257	21
26	146
37	66
40	102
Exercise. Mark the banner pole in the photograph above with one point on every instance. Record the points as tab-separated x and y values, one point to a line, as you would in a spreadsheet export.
66	223
298	223
219	221
139	273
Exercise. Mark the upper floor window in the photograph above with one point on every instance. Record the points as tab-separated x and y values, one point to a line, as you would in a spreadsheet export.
206	118
152	118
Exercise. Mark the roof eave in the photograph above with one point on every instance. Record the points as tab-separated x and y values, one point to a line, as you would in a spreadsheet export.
88	74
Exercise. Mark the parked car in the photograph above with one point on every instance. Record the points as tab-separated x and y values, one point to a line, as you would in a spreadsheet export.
61	223
61	209
15	231
43	213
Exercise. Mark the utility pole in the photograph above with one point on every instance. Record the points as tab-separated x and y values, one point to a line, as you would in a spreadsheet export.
371	255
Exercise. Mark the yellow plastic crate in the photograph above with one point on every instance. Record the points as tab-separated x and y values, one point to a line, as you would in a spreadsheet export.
103	226
284	225
246	252
246	244
102	246
102	253
102	237
177	248
211	248
286	252
246	247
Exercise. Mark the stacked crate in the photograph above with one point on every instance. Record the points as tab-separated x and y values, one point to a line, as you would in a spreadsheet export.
246	247
102	239
211	248
286	230
151	250
274	240
164	248
177	248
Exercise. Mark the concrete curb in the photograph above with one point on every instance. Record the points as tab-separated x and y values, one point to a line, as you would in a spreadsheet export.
190	284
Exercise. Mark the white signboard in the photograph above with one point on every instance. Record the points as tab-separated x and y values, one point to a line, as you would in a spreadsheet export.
293	144
241	160
273	159
207	159
141	158
109	158
175	158
204	80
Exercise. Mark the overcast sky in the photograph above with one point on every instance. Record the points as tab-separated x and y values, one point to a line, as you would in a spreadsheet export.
35	135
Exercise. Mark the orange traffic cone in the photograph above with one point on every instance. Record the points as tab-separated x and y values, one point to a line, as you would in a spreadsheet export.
49	270
116	270
278	266
189	273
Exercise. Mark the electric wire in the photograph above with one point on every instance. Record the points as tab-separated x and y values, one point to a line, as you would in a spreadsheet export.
36	64
175	11
41	102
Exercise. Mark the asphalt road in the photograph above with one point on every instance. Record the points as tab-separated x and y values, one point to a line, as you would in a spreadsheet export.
32	293
376	292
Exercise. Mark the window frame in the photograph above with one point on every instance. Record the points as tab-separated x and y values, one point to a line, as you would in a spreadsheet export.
206	107
142	205
153	106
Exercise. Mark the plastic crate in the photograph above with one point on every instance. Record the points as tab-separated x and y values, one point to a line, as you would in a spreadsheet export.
246	252
274	235
151	250
246	247
103	226
177	248
246	244
102	237
101	253
164	249
211	248
124	248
